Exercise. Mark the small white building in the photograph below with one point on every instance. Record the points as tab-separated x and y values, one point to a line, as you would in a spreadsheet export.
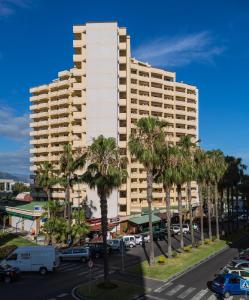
6	185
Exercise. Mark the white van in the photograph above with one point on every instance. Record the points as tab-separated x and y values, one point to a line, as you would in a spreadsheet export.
129	241
33	259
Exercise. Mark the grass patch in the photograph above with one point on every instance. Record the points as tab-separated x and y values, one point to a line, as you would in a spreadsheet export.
122	291
9	241
177	264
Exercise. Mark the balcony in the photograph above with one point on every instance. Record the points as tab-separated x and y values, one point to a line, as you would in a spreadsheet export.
60	139
38	115
59	130
65	92
39	124
122	74
63	101
59	121
39	141
122	116
122	130
38	106
122	88
78	129
78	100
79	115
122	46
122	59
56	148
78	86
62	111
78	72
39	150
78	57
38	132
78	43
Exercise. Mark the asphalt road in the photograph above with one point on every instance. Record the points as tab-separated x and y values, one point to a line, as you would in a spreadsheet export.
58	285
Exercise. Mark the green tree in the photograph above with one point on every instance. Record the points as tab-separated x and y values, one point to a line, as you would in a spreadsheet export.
70	162
218	170
106	172
182	171
200	161
19	187
187	148
144	144
46	178
165	174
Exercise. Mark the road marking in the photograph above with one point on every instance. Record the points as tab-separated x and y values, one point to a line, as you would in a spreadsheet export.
186	293
163	287
212	297
83	273
153	297
62	295
199	295
175	290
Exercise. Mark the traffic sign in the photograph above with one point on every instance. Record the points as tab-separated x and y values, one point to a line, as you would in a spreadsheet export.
244	285
90	264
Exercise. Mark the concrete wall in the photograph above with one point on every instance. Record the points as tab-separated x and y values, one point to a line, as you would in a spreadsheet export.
102	93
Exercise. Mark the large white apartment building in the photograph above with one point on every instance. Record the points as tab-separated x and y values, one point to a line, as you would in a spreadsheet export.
106	92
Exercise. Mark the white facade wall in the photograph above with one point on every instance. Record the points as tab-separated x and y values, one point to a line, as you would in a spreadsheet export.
102	94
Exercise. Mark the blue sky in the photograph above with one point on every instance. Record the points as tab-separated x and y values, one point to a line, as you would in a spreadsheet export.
205	42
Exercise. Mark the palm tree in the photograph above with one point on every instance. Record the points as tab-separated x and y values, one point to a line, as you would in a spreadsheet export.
200	161
218	169
106	171
70	162
182	171
166	176
46	178
187	148
209	179
144	144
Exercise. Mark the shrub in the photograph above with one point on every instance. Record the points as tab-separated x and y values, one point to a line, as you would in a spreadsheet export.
161	260
5	250
174	254
207	242
187	248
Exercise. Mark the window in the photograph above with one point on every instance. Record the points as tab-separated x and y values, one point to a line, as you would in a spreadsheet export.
234	280
12	257
79	251
122	208
67	251
244	274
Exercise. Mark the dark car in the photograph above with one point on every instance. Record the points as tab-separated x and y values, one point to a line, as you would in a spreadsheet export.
8	273
97	249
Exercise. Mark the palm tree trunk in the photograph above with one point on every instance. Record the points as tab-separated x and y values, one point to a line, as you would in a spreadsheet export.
201	211
167	190
237	207
228	211
232	206
209	212
179	194
49	196
149	200
216	211
191	214
104	226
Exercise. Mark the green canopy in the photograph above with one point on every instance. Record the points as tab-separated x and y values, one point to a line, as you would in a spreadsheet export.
144	219
12	213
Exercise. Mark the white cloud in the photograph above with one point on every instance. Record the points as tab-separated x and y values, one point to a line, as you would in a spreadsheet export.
15	162
180	50
13	126
8	7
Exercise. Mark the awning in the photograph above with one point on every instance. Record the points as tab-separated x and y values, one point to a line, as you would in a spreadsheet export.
11	213
144	219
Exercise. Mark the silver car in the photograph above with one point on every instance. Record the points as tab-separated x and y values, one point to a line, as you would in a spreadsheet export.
75	253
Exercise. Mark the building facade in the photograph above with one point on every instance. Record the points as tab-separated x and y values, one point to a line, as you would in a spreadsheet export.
106	92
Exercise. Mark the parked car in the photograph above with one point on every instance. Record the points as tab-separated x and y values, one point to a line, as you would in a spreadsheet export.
146	237
227	284
97	249
33	258
239	264
75	253
175	230
115	244
244	257
8	273
195	226
185	228
139	239
129	241
242	273
159	235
